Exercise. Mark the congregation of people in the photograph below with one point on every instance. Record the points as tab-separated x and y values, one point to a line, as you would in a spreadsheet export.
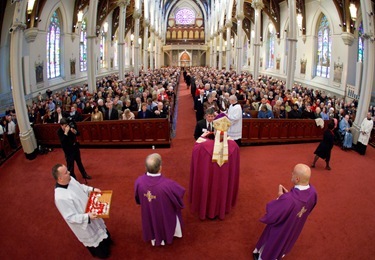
269	98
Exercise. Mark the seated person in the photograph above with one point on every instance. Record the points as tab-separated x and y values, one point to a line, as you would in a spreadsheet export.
246	112
294	113
128	115
160	111
308	113
145	113
264	112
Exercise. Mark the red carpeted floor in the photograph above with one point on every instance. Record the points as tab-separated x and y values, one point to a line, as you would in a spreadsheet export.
341	226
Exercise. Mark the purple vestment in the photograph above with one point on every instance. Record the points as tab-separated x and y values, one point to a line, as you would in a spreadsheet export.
285	218
161	201
213	189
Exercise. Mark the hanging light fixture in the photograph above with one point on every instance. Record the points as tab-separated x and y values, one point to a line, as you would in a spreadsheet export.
79	16
353	11
299	20
30	6
105	27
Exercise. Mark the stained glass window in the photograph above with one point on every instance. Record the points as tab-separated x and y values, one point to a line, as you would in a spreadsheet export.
323	49
102	50
83	47
360	43
53	47
271	47
185	16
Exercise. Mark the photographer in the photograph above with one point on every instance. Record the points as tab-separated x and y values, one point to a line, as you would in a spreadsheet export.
67	135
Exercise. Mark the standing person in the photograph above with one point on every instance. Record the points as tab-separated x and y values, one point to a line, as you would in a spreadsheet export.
10	129
198	105
286	216
68	139
161	201
364	134
324	148
344	128
235	117
206	124
71	199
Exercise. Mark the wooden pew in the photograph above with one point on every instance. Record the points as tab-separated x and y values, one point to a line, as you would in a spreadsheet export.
138	132
258	131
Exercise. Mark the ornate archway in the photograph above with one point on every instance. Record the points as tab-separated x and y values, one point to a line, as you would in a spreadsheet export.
185	60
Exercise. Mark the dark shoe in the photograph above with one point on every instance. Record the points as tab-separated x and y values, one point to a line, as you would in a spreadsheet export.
87	177
256	256
328	168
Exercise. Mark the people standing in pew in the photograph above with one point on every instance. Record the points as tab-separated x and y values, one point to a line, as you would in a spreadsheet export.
71	199
286	216
161	201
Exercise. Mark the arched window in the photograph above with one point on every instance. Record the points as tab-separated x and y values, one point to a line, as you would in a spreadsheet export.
323	48
83	47
360	43
53	47
271	46
185	16
102	50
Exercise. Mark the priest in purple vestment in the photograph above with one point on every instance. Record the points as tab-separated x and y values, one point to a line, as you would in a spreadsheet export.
161	201
286	216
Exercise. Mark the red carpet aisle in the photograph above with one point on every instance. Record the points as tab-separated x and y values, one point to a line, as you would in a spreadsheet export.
341	226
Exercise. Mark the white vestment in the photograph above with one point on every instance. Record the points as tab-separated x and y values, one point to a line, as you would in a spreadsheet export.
71	202
366	127
235	117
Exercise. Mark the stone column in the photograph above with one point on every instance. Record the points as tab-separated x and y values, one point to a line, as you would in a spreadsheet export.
221	48
145	45
258	6
292	42
215	51
17	35
121	35
91	36
157	50
152	39
228	65
136	16
239	55
368	68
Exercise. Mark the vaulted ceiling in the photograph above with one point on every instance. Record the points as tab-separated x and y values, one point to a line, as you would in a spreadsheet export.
110	7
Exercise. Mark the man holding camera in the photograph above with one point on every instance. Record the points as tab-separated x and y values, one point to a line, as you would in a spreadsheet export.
67	135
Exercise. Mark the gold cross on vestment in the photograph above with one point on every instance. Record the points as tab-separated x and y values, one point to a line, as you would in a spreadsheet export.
303	210
149	196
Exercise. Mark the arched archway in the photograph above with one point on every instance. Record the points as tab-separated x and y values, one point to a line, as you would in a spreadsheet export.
185	59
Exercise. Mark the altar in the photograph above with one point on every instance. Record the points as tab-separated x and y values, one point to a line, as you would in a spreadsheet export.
213	189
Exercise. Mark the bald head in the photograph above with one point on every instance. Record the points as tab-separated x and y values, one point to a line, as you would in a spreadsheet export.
301	174
153	163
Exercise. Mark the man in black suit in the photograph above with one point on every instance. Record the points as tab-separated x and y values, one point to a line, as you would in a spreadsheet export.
188	80
68	139
145	113
111	113
206	124
198	105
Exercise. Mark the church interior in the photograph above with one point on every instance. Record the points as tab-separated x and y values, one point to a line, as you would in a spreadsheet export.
55	46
